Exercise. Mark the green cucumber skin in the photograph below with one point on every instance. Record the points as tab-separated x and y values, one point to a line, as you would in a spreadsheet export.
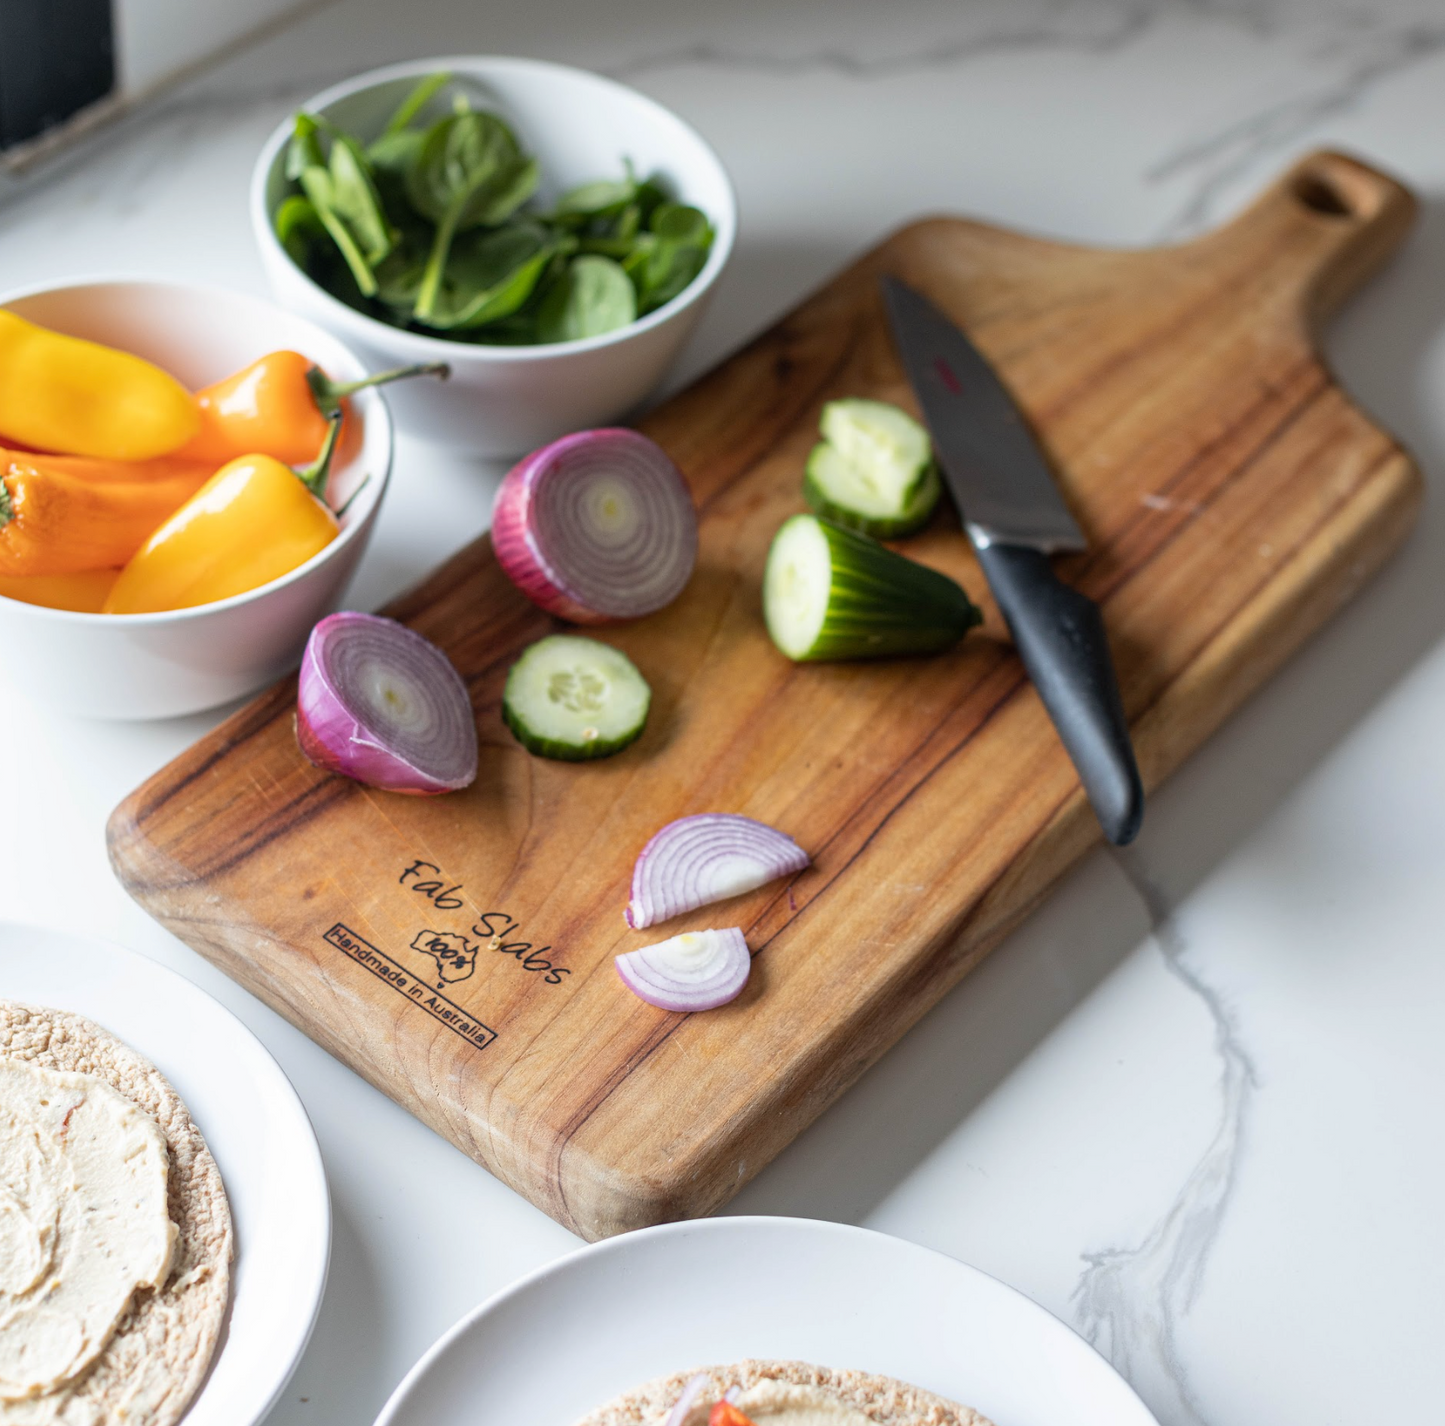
516	694
566	752
882	604
921	506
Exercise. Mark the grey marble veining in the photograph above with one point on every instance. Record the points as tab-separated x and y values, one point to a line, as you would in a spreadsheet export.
989	31
1353	57
1349	52
1130	1299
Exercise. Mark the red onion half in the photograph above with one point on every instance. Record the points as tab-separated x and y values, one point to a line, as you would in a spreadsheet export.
379	703
596	526
698	970
698	860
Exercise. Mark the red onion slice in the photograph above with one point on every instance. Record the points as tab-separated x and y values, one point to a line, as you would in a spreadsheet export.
698	970
683	1405
698	860
379	703
596	526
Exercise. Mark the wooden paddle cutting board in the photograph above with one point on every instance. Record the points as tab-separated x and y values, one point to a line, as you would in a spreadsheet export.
457	951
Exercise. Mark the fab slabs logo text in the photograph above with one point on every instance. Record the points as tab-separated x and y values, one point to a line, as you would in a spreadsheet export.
439	958
496	933
455	956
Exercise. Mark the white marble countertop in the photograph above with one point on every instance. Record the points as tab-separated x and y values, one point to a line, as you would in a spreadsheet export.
1193	1106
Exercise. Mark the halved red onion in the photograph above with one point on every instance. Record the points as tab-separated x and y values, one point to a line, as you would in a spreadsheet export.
698	970
596	526
684	1402
698	860
379	703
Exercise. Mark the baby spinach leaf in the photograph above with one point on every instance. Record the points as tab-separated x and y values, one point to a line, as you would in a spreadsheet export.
398	279
469	172
490	275
674	252
397	147
679	223
589	200
461	159
668	269
343	196
304	151
297	226
650	193
355	197
594	296
394	154
415	102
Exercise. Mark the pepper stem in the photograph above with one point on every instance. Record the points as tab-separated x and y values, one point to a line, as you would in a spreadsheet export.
7	507
315	475
329	394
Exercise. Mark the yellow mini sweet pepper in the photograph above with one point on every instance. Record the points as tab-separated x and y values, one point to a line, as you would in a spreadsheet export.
72	397
253	521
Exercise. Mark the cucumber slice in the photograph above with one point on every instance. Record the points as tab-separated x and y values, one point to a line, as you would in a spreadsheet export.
880	478
830	593
839	491
573	698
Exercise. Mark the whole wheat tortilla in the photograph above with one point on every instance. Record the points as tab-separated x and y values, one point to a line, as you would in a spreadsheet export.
880	1398
163	1344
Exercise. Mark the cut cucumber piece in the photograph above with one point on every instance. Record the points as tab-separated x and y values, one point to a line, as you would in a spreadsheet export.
874	469
839	491
830	593
573	698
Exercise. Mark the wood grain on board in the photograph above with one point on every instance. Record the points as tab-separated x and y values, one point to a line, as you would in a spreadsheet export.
457	951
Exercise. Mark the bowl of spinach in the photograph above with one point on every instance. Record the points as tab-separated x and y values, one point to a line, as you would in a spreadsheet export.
550	234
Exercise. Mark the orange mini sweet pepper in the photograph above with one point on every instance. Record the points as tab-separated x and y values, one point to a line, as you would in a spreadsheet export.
83	592
61	515
254	520
278	406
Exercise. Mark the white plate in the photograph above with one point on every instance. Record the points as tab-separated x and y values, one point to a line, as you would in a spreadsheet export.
252	1121
646	1304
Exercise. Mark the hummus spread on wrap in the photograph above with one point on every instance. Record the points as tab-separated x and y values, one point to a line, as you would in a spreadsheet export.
115	1234
83	1221
769	1393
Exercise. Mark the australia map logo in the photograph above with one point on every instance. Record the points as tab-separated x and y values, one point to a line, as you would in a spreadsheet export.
455	956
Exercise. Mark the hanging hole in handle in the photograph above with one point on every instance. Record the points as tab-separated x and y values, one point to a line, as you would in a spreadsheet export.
1321	196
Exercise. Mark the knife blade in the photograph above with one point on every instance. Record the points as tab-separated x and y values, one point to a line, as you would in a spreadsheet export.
1015	517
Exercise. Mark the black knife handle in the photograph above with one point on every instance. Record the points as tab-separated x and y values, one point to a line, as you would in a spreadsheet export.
1059	634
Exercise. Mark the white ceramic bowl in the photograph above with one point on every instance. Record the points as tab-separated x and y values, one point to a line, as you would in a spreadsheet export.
507	400
162	665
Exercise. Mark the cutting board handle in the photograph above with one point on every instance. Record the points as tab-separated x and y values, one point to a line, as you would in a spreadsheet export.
1337	217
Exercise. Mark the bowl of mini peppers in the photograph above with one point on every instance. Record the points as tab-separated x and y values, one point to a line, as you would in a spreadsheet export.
188	478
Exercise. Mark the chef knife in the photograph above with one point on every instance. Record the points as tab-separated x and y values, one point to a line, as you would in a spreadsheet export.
1016	519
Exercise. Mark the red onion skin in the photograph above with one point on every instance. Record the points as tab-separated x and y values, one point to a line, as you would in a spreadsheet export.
515	552
320	755
512	541
331	739
652	903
